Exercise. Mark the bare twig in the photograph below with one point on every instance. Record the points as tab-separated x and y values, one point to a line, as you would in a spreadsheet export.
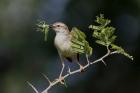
114	52
36	91
69	73
104	62
88	62
47	78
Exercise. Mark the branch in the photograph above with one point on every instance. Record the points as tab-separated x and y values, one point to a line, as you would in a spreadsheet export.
104	34
69	72
36	91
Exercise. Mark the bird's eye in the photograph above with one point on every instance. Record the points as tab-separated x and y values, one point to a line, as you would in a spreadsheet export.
58	25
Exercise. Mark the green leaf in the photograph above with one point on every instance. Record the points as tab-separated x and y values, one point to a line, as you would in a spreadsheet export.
109	31
79	43
96	34
43	27
100	42
77	46
46	33
78	34
65	83
112	39
76	41
77	49
88	49
121	51
95	27
102	21
102	32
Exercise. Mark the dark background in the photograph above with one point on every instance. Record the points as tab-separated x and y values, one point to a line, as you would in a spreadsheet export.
24	55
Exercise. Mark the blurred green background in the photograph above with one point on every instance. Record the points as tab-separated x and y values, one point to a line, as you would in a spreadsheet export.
24	55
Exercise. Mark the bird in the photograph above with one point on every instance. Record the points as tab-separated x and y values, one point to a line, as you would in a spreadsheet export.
63	43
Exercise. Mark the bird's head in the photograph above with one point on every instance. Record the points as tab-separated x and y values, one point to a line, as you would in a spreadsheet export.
59	27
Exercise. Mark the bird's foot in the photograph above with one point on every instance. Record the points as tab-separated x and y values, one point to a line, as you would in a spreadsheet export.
61	80
82	68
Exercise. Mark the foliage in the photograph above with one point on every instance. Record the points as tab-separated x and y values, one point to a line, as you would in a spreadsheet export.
43	27
104	34
79	43
121	51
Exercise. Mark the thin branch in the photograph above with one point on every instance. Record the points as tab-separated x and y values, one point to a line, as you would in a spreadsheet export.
104	62
88	62
77	71
69	71
36	91
47	78
114	52
103	57
59	80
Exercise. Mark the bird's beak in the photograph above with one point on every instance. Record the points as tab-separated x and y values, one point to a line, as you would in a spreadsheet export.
50	26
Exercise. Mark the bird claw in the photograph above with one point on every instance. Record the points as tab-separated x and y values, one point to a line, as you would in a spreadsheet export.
82	69
61	80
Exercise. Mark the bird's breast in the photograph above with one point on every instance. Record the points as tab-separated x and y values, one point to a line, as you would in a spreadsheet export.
63	44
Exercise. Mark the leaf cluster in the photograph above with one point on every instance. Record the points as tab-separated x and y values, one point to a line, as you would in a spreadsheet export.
43	27
103	32
79	42
121	51
104	35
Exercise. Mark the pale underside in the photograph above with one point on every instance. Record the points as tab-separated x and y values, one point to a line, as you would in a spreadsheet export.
63	45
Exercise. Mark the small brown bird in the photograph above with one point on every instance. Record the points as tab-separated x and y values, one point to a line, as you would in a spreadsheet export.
63	44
